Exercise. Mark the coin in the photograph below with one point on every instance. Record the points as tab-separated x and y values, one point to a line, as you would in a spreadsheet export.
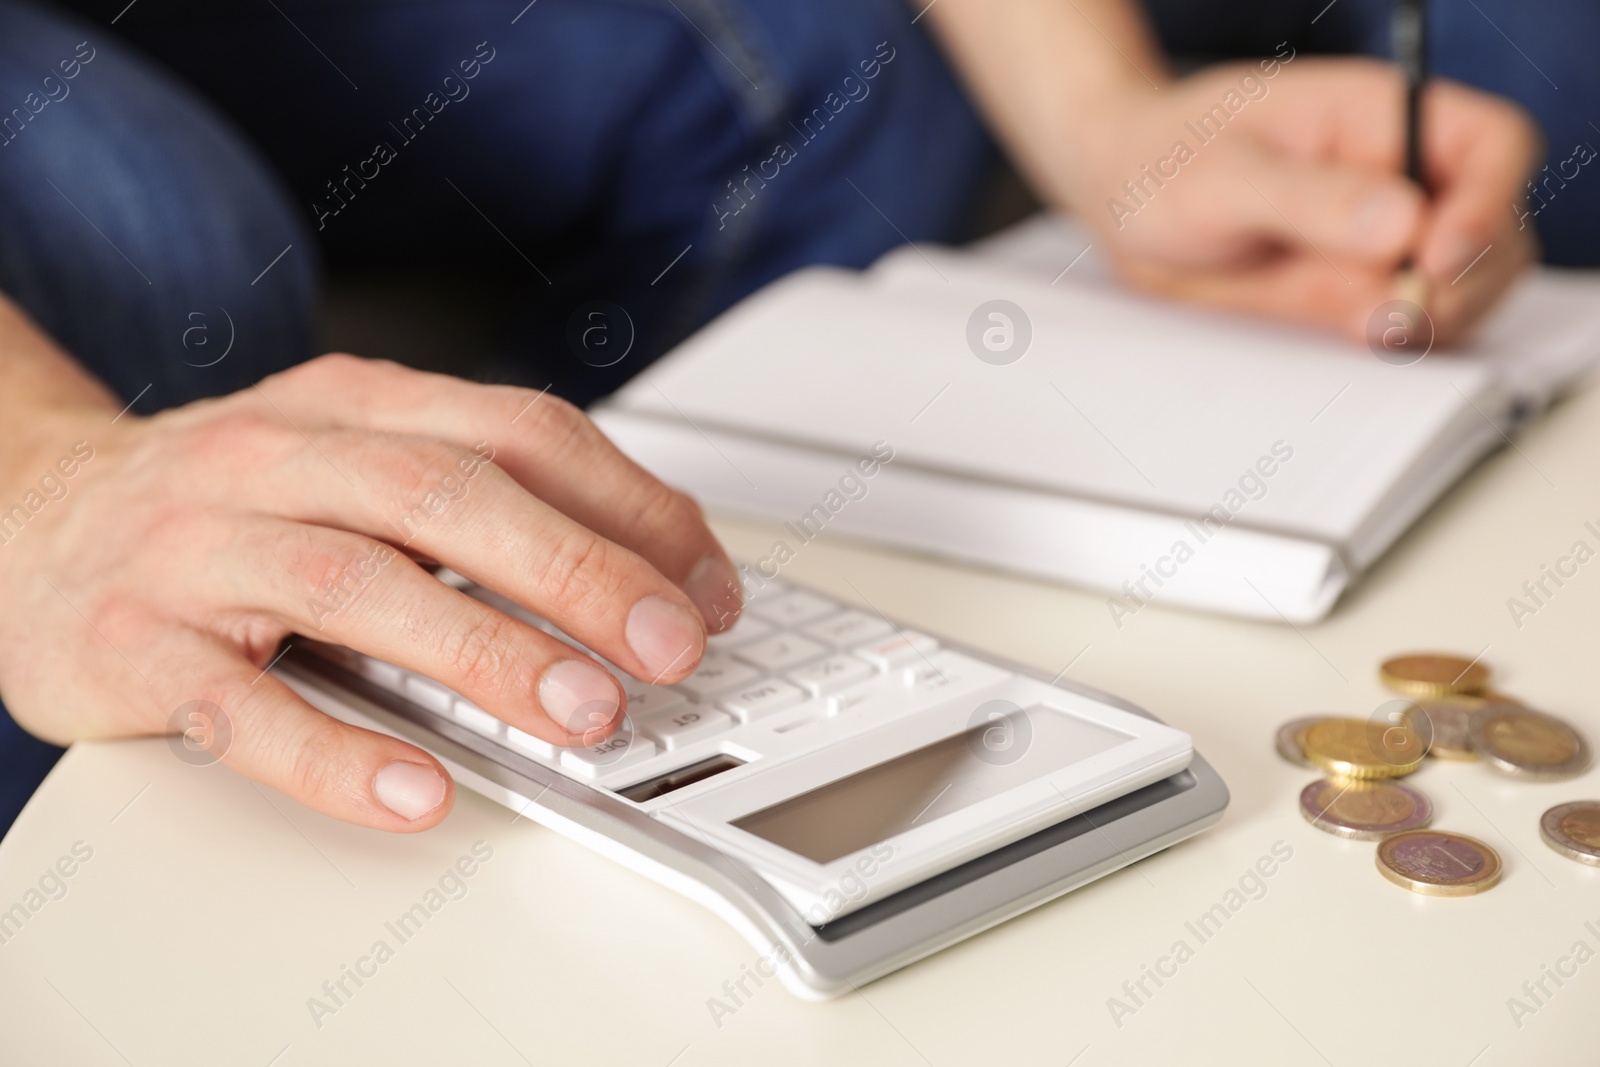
1364	811
1424	676
1289	737
1355	748
1524	743
1442	725
1438	864
1573	830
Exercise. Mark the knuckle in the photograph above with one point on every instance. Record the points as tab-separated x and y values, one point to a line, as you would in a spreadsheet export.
330	368
665	507
304	761
319	372
315	761
581	574
557	423
481	653
422	467
335	363
235	437
338	564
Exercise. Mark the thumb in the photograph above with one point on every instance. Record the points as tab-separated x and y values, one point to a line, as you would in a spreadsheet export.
1338	212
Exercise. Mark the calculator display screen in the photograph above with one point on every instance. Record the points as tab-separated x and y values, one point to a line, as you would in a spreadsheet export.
928	783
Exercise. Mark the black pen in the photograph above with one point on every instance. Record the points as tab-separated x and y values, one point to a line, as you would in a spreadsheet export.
1408	34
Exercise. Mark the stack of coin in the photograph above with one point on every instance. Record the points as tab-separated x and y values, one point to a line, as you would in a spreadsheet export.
1449	713
1459	717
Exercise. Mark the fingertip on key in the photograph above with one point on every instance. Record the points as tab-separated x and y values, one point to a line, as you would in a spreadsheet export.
667	640
574	692
713	588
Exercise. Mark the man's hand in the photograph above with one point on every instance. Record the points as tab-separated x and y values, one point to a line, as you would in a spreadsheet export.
1284	196
189	544
1289	203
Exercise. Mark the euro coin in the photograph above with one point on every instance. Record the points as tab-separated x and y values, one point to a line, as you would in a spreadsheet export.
1442	725
1364	811
1529	744
1289	737
1438	864
1356	748
1427	676
1573	830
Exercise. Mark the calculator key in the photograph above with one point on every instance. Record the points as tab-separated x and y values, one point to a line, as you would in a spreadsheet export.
476	719
430	694
530	745
905	647
651	699
792	609
387	675
946	673
622	749
630	685
718	672
685	726
847	629
830	674
568	639
747	629
763	699
623	679
780	652
866	700
508	607
768	589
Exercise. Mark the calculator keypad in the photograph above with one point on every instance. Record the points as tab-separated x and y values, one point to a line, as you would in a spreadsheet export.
795	658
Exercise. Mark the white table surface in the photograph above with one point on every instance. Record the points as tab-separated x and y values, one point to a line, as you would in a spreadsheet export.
212	909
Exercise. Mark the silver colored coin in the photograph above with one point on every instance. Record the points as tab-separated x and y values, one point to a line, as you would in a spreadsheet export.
1288	740
1443	724
1573	829
1523	743
1364	811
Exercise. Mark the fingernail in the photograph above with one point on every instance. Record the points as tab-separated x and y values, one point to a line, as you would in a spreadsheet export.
714	589
410	790
666	638
578	696
1381	218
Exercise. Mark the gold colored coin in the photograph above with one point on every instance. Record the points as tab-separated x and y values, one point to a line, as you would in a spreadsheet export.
1438	864
1355	748
1442	725
1524	743
1426	676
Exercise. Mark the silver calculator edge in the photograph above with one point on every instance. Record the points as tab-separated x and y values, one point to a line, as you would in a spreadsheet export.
814	963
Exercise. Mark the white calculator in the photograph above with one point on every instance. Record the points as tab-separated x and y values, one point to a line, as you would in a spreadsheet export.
849	793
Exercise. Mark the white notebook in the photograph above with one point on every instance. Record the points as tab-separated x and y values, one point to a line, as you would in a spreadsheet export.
1158	453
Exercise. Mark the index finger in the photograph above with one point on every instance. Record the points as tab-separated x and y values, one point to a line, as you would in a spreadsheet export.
548	446
1478	150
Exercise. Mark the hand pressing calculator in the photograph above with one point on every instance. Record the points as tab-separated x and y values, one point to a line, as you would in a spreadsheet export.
849	793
